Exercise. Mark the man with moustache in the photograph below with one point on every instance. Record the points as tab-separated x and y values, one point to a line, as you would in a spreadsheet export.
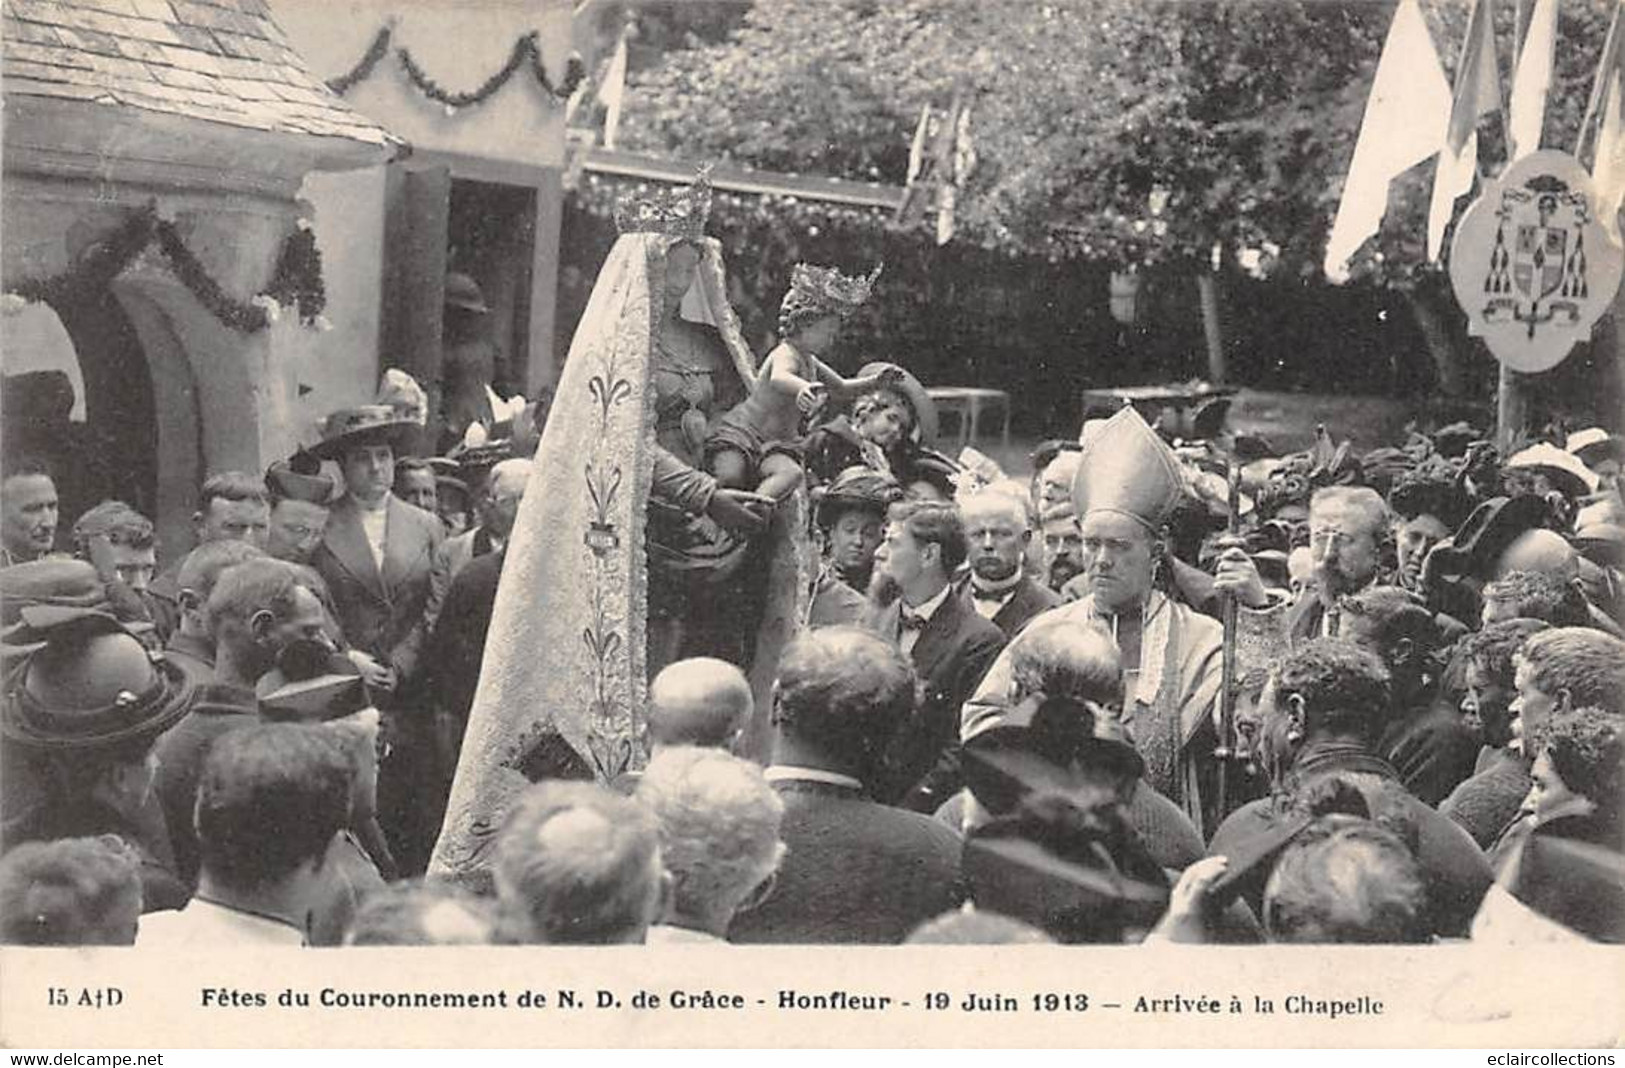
1348	527
999	530
948	643
1063	546
28	511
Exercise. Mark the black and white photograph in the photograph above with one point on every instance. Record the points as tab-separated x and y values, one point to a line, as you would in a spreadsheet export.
812	523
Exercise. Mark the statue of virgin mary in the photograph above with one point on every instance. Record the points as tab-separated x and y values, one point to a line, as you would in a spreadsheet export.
626	554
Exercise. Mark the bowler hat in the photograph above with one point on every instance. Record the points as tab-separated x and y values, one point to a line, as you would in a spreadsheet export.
366	424
91	684
463	292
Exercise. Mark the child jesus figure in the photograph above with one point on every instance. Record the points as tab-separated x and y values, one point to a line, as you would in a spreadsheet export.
760	439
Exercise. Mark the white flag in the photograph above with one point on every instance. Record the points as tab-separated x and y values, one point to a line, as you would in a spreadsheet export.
614	91
1477	92
1405	120
1533	80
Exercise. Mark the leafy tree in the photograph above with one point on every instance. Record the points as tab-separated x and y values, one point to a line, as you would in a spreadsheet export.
1129	132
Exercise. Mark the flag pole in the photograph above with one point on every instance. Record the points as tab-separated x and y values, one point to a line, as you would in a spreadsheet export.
1599	85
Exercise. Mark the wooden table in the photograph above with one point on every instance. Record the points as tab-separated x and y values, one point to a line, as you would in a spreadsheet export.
1152	400
967	405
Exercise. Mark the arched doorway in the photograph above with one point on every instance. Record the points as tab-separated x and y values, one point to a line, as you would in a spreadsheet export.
79	394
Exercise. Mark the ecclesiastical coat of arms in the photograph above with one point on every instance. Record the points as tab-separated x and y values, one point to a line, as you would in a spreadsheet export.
1532	265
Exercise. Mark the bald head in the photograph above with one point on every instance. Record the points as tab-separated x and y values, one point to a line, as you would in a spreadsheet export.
508	478
1543	551
699	701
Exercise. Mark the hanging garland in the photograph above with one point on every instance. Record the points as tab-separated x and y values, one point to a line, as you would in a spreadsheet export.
297	280
527	52
363	70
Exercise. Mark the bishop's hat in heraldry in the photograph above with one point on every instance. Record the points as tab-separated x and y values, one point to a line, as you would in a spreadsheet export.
1126	468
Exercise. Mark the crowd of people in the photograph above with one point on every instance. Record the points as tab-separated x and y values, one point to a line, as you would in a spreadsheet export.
1163	690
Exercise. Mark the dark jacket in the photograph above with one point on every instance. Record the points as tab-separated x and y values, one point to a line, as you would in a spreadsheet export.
381	613
457	645
1029	599
1455	870
161	888
952	654
855	871
181	752
1432	749
1490	800
193	655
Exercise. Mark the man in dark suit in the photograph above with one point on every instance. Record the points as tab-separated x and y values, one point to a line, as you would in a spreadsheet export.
855	871
948	643
999	533
376	556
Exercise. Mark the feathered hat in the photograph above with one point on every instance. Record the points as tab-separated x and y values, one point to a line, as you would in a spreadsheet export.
1126	468
826	291
679	212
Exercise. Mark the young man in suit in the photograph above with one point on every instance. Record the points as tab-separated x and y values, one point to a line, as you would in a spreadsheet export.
854	871
376	556
948	643
999	533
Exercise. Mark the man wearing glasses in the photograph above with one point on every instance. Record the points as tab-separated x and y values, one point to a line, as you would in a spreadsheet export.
1347	529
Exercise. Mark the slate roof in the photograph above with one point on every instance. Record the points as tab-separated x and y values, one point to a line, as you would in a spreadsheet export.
223	61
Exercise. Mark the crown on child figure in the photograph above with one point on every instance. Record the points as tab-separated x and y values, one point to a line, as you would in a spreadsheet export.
679	212
825	289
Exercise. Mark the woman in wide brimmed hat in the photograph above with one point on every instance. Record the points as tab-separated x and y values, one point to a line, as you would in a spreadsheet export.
79	724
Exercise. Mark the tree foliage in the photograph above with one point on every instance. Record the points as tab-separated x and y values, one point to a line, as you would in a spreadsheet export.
1241	116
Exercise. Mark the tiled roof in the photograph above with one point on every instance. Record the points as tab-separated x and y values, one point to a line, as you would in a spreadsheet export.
223	61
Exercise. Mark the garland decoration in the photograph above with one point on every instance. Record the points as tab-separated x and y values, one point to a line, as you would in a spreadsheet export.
527	52
297	280
363	70
244	318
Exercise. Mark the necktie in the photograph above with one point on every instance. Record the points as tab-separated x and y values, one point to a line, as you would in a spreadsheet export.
912	620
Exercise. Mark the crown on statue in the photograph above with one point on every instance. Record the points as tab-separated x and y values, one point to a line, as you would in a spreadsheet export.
828	291
679	212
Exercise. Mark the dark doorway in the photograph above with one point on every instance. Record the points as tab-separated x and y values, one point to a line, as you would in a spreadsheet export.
113	451
491	236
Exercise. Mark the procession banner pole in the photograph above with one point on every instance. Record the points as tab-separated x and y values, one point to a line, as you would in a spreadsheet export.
1511	409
